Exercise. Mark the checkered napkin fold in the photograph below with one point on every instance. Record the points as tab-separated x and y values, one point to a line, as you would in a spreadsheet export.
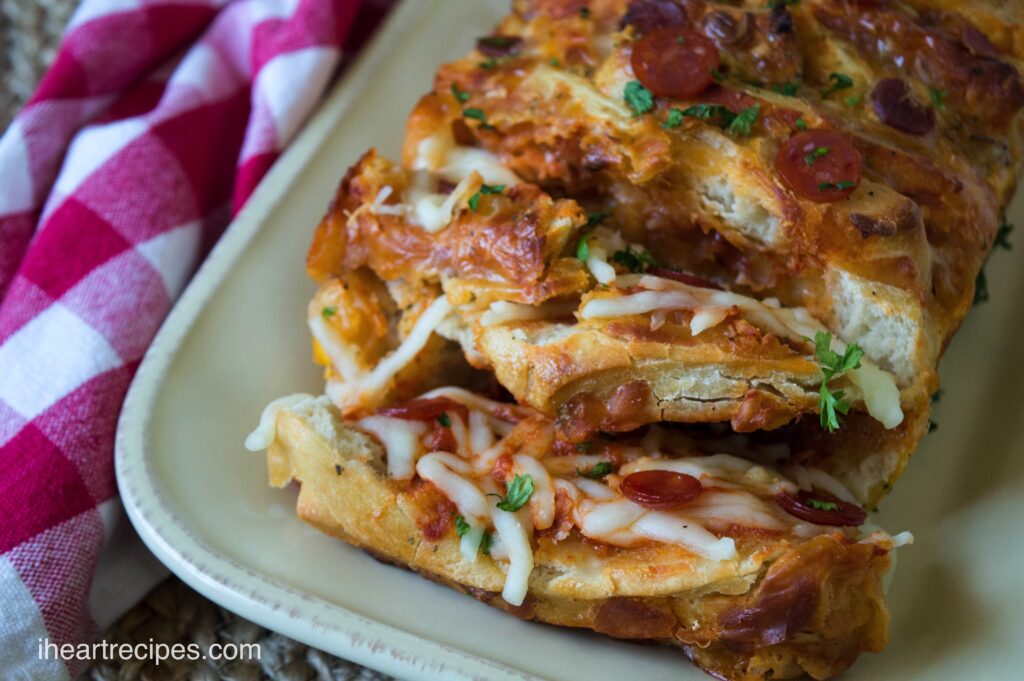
152	127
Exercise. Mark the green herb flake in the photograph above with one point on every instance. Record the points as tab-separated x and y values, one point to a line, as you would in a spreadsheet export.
852	100
721	115
801	124
462	528
554	62
823	505
445	420
584	446
787	89
744	121
819	152
716	74
598	471
932	426
638	98
518	493
634	260
459	94
485	544
485	190
478	115
938	98
833	365
673	120
328	312
842	184
841	81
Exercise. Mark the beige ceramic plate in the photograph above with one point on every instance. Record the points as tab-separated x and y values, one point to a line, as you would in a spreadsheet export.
238	339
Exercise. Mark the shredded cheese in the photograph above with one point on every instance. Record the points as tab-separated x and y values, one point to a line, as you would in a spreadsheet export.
516	541
401	440
355	391
266	431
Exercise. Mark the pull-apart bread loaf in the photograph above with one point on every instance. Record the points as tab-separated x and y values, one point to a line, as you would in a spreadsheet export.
650	312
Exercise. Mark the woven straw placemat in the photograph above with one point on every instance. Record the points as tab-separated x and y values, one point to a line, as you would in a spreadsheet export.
172	613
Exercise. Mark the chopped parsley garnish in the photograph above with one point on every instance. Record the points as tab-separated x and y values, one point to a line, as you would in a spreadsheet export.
499	42
738	123
810	158
801	124
554	61
485	190
852	100
787	89
593	220
459	94
598	471
462	528
485	544
706	112
494	62
674	119
634	261
445	420
823	505
585	12
478	115
638	98
833	365
842	184
744	121
681	40
328	312
518	493
716	74
841	82
938	96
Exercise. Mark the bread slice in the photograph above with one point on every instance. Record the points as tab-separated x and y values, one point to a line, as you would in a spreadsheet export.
891	268
783	605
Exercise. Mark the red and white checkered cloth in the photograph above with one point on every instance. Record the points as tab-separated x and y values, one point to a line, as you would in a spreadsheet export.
154	124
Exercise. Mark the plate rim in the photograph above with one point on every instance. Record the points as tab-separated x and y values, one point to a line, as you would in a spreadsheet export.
275	605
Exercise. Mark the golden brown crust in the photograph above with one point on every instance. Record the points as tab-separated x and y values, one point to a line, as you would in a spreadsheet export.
781	609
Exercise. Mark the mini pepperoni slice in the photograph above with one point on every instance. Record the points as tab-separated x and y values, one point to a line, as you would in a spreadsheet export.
820	165
682	277
675	62
647	15
425	409
896	106
660	490
821	508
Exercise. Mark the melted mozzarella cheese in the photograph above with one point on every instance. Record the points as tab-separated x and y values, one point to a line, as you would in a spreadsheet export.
877	387
542	501
466	496
377	380
401	440
503	312
516	542
440	155
266	431
669	528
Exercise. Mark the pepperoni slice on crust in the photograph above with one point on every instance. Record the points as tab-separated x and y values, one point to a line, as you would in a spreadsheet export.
820	165
821	508
675	62
896	106
660	490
